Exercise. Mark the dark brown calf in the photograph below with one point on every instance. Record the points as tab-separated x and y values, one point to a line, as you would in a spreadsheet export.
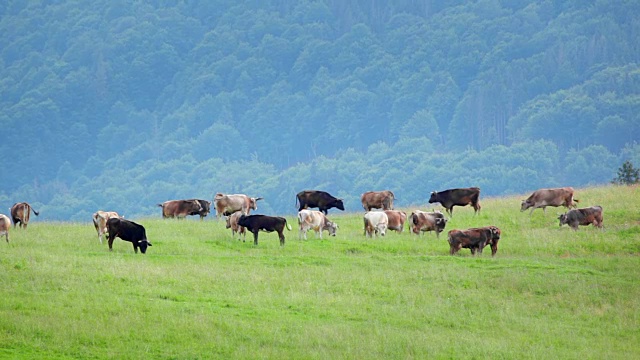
474	239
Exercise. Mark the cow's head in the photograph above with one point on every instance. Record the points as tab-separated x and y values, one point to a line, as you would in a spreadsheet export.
331	227
563	219
495	232
525	205
381	229
440	224
143	244
337	203
253	203
434	197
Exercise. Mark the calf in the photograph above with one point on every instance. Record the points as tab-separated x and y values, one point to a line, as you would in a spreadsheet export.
20	214
421	221
232	223
375	222
5	225
474	239
128	231
396	220
255	223
316	220
584	217
100	219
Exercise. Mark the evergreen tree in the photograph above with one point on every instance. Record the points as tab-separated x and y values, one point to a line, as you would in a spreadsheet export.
627	174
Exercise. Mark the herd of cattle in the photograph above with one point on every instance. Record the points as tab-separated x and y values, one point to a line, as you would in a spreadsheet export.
236	209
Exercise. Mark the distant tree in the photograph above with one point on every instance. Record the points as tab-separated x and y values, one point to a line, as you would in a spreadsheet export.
627	174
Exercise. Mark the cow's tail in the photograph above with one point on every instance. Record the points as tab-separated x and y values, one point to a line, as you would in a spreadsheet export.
287	224
34	211
159	205
297	201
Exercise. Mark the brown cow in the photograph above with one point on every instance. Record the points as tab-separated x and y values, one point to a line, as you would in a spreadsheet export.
228	204
180	208
232	223
5	225
584	217
100	219
396	220
20	214
421	221
549	197
474	239
457	197
377	200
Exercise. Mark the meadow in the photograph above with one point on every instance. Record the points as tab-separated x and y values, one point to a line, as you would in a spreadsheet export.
549	293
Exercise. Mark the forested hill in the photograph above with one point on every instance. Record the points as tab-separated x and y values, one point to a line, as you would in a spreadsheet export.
120	105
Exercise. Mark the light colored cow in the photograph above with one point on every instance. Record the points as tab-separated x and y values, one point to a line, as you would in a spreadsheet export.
549	197
375	222
5	225
421	221
232	223
228	204
100	219
316	220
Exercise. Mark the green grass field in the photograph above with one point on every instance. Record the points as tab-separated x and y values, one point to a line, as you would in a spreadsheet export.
550	292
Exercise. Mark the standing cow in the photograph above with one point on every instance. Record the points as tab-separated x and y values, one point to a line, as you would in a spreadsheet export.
375	222
5	225
421	221
255	223
232	223
396	220
205	208
180	208
549	197
474	239
377	200
316	220
583	216
128	231
228	204
100	219
20	214
457	197
320	199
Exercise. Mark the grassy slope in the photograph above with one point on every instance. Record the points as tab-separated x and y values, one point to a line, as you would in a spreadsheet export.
549	293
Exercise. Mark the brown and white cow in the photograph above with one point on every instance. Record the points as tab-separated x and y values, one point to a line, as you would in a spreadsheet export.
549	197
397	219
474	239
583	216
377	200
5	225
316	220
100	219
228	204
180	208
20	214
422	221
457	197
375	222
232	223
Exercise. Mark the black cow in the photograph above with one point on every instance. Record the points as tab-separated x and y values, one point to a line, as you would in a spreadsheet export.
128	231
457	197
206	208
255	223
320	199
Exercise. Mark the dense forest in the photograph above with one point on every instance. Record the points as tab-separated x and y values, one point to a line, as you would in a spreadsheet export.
121	105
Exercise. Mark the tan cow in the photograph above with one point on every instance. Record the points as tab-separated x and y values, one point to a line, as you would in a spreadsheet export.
5	225
377	200
396	220
232	223
421	221
100	219
228	204
375	222
549	197
316	220
20	214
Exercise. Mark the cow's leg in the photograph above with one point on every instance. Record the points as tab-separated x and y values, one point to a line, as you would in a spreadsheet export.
494	249
135	247
281	236
531	212
111	242
255	237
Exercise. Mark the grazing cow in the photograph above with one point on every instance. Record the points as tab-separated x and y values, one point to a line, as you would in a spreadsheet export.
232	223
375	222
205	208
457	197
127	231
180	208
5	225
228	204
377	200
255	223
100	219
583	216
549	197
20	214
316	220
320	199
421	221
396	220
474	239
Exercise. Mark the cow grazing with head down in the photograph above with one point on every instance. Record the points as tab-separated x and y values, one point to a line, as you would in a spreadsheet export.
20	214
100	219
228	204
316	220
128	231
318	199
375	223
232	223
5	225
256	223
396	220
457	197
422	221
474	239
549	197
583	216
377	200
205	208
180	208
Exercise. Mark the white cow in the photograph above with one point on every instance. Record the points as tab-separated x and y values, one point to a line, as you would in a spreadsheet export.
375	222
5	225
316	220
100	219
